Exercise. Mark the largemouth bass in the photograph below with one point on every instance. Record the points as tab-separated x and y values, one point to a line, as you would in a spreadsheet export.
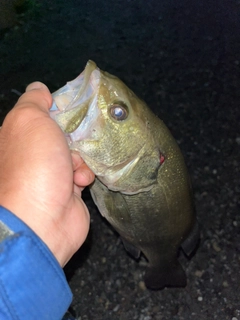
142	186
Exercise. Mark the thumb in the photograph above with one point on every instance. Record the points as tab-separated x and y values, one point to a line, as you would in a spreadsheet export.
37	95
37	85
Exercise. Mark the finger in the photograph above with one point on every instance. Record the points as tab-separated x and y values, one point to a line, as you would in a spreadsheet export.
77	190
77	161
37	85
83	176
37	95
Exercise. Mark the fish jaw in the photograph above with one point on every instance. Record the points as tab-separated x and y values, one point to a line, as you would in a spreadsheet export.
74	105
75	110
78	90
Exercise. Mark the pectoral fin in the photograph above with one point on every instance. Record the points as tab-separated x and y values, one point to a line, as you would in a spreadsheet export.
190	244
134	251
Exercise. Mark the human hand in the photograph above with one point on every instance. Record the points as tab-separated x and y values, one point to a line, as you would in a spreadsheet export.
40	180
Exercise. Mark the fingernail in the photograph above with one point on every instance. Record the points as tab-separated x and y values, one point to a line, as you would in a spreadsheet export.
36	85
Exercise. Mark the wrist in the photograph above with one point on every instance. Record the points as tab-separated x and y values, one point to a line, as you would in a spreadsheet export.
63	233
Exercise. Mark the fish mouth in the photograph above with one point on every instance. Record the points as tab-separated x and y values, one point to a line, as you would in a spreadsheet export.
72	102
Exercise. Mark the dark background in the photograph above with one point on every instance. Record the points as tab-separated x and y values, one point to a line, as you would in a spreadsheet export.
183	58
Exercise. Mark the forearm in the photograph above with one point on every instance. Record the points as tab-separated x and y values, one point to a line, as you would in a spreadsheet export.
32	283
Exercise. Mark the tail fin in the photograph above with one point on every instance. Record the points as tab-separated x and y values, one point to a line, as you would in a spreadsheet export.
159	277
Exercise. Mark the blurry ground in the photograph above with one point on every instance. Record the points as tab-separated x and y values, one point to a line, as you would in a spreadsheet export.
183	58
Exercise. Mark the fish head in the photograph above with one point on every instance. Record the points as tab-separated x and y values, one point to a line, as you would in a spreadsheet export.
108	125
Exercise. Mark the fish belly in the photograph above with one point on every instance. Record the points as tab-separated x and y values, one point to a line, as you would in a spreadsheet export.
145	225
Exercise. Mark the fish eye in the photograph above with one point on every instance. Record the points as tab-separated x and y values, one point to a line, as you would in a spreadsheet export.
119	111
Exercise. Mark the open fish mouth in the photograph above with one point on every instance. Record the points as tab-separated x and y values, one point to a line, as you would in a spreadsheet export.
73	103
78	90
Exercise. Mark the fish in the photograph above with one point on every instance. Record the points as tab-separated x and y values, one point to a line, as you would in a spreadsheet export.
142	185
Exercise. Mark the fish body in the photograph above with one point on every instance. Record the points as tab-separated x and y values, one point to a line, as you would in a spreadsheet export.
142	186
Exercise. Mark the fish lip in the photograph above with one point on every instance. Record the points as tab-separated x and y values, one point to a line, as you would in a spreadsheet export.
70	95
75	99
